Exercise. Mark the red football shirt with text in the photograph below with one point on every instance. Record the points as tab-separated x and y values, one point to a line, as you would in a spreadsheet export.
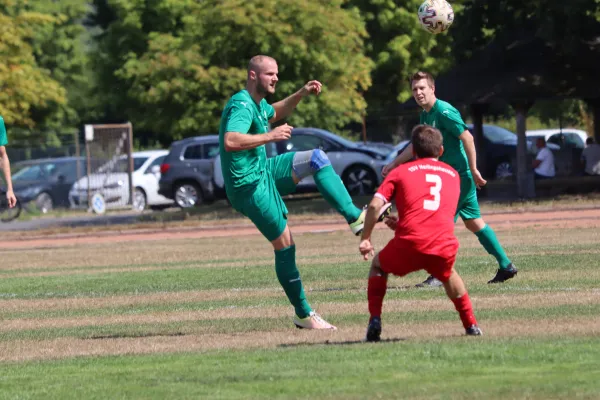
426	192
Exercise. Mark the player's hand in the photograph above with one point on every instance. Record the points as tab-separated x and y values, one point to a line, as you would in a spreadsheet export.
391	221
387	169
282	132
312	87
366	249
10	197
479	181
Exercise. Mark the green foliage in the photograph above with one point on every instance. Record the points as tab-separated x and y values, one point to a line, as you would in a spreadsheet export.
563	23
26	88
399	46
178	61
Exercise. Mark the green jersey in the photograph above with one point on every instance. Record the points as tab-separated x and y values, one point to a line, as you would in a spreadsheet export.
448	120
243	170
3	138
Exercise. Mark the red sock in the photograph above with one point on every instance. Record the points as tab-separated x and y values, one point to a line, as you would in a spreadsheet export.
375	294
465	310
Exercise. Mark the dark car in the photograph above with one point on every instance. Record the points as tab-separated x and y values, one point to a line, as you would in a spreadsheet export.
46	182
499	150
187	171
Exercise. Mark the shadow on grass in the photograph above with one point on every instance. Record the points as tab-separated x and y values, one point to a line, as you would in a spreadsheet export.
341	343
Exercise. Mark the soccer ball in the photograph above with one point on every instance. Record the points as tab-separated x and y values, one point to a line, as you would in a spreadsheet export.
436	16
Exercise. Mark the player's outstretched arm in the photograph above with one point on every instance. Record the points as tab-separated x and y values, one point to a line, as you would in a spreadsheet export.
236	141
5	164
285	107
406	155
469	144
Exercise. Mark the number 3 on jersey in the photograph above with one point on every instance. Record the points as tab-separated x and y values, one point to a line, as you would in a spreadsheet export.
433	205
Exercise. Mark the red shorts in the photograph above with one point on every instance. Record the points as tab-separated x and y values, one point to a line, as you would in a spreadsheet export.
400	259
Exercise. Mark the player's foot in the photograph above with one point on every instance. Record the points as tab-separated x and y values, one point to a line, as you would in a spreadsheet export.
374	330
358	225
430	282
473	330
313	321
504	274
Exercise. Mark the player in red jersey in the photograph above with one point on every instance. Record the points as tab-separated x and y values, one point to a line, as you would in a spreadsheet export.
426	192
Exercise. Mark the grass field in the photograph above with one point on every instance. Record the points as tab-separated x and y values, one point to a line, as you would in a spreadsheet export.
206	318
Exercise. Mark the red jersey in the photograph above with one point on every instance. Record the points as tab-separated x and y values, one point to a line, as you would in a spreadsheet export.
426	192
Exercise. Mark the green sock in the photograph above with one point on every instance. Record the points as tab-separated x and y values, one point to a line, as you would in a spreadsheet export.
489	241
334	192
289	277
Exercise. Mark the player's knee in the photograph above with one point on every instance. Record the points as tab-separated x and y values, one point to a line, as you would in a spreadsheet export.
318	160
309	162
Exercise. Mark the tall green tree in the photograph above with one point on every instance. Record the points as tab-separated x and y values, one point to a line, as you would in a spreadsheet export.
26	88
61	49
177	61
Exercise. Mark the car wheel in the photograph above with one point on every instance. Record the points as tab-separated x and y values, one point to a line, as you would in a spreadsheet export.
359	180
188	194
139	200
504	170
44	203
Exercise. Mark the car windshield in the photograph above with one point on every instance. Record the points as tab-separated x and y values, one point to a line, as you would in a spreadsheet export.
36	172
496	134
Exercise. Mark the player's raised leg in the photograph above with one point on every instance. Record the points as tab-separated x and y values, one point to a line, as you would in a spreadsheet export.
330	185
375	293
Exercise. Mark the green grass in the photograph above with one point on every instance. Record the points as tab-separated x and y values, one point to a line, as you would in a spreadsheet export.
260	276
543	364
459	368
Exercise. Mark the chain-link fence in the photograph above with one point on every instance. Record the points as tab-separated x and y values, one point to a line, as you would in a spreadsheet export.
109	167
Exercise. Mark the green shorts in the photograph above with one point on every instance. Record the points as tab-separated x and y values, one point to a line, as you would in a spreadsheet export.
264	205
468	206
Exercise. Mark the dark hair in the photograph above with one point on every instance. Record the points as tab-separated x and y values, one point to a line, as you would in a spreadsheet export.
422	75
427	141
589	140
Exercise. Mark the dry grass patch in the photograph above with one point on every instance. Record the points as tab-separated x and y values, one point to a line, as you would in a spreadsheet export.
70	347
536	300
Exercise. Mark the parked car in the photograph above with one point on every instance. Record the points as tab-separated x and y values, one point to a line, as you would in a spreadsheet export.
46	182
500	151
396	150
358	165
112	180
187	172
559	138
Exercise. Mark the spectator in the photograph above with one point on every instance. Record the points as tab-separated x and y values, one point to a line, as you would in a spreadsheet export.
590	157
543	164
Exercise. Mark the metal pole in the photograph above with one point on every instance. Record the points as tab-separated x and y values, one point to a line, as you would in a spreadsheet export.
130	159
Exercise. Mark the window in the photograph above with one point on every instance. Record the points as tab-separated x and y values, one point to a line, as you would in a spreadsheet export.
193	152
36	172
157	161
210	150
573	140
303	143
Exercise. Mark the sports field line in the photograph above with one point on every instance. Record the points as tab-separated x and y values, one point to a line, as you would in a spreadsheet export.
23	350
391	305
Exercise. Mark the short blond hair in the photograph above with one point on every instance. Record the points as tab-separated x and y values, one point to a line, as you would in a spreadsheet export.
422	75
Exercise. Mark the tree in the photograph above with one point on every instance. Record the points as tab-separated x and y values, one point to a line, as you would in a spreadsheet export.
399	46
179	60
25	88
60	48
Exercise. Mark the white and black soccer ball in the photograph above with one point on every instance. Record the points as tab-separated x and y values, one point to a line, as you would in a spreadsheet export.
436	16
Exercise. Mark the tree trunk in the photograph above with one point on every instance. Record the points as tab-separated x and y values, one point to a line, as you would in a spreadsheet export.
524	184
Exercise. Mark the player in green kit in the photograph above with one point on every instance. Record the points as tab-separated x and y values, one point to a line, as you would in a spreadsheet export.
5	165
255	184
459	152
